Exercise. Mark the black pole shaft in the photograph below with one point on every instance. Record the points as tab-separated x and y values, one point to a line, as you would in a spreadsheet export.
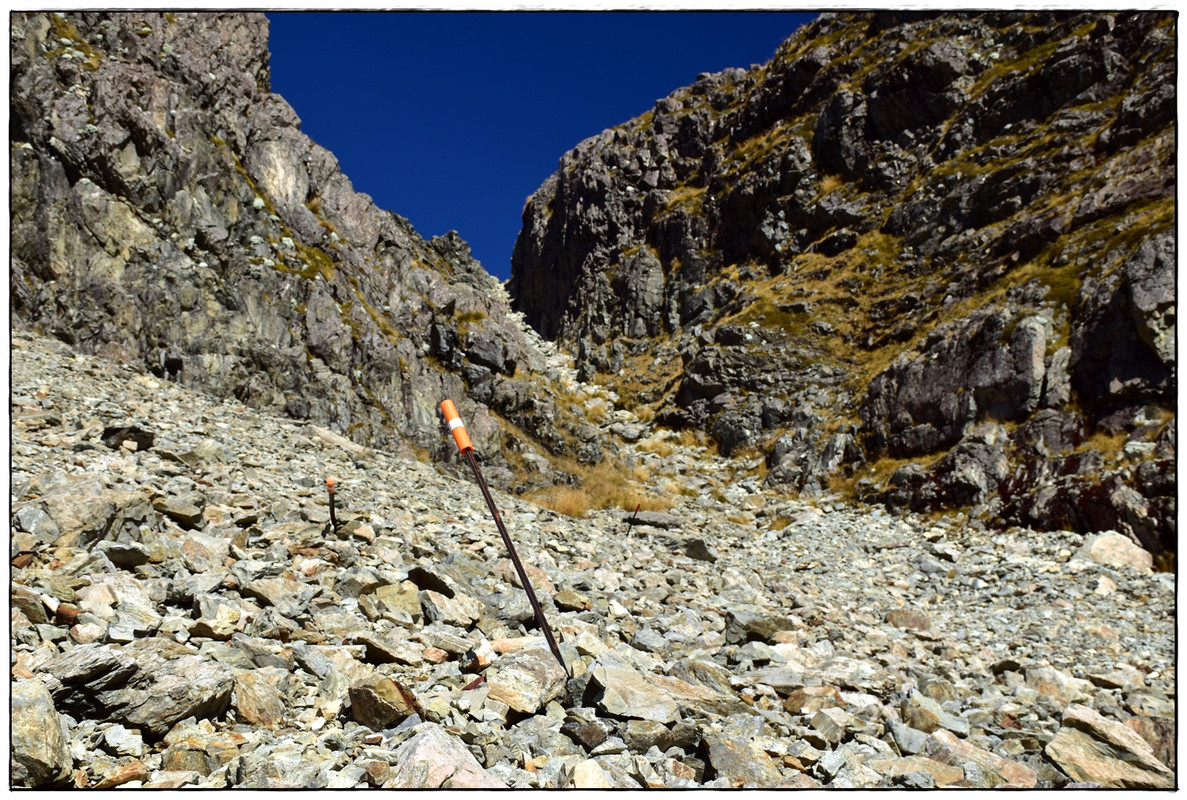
523	575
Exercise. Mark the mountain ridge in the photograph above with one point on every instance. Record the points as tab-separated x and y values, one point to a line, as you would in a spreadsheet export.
885	264
167	210
925	256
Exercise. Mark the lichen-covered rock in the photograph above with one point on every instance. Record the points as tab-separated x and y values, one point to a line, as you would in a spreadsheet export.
40	745
168	212
433	759
1089	747
790	254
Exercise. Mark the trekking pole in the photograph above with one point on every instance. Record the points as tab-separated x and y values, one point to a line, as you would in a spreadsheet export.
630	523
330	485
465	447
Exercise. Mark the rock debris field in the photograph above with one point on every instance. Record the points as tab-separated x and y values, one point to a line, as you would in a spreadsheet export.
184	615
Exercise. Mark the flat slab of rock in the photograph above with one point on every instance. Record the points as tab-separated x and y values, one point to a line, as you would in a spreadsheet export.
433	759
945	747
286	595
741	761
1094	749
643	695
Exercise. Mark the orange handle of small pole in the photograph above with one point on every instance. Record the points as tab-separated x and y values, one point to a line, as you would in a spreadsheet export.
455	426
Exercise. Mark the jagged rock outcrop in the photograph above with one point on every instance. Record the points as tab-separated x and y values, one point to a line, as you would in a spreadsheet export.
925	256
167	211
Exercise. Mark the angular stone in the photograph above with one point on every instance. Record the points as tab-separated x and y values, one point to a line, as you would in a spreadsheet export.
433	759
379	702
169	689
654	519
941	774
526	680
291	598
400	597
909	740
1090	747
698	549
570	600
202	552
29	603
185	510
459	610
1159	733
127	773
120	741
81	508
810	699
125	554
640	695
261	696
923	713
39	748
199	752
589	775
943	746
173	779
746	622
1114	550
740	762
505	570
226	622
833	723
909	619
1058	685
388	650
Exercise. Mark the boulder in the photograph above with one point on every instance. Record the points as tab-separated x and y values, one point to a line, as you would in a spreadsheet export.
1114	550
526	679
433	759
380	702
1091	748
40	744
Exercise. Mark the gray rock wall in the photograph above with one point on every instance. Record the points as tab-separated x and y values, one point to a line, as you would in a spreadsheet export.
923	223
168	212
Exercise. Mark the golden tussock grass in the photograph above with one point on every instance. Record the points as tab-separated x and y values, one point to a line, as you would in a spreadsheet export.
605	485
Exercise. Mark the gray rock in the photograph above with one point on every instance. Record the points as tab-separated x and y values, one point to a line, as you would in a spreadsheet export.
526	680
289	597
125	554
433	759
638	695
925	714
40	745
380	702
1089	747
740	762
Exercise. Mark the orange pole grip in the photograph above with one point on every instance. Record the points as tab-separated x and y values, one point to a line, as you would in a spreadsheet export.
455	426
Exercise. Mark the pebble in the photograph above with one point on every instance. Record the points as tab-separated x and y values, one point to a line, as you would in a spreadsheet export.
183	615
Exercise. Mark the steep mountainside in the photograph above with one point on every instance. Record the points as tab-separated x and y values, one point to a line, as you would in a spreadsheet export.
167	211
925	258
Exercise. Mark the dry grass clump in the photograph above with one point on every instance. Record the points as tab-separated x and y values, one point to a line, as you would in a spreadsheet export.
657	446
606	485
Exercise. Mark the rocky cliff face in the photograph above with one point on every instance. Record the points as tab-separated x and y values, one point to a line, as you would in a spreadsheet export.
925	258
168	212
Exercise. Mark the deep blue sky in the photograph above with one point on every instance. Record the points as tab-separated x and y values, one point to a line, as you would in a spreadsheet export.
452	119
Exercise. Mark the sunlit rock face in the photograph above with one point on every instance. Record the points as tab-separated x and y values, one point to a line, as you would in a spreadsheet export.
167	211
903	228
